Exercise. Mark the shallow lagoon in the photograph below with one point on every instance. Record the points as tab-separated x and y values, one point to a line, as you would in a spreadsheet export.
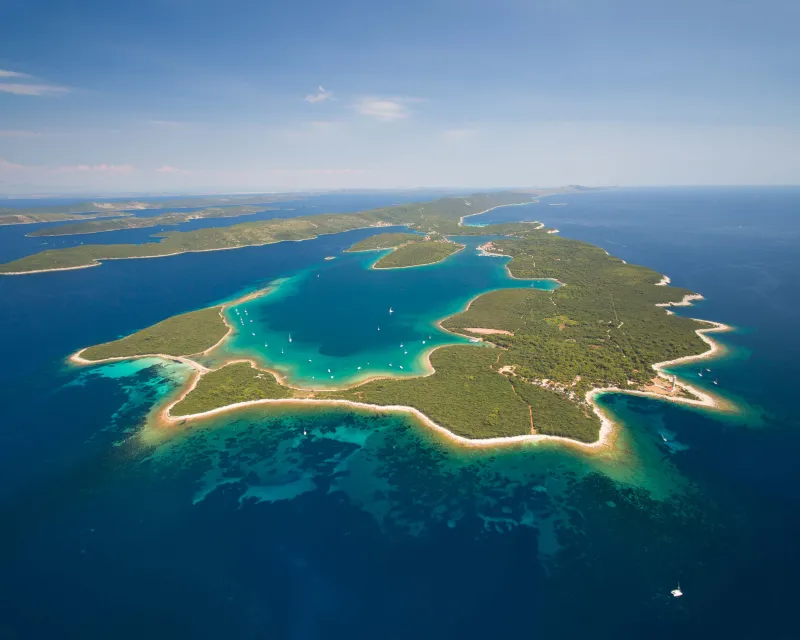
342	321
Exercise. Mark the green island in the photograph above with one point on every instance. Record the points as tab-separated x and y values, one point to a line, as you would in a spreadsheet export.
384	241
182	335
417	254
10	216
542	351
441	216
99	209
408	249
230	384
136	222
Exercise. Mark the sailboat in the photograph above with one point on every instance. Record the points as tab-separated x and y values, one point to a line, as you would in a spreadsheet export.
677	593
290	337
391	310
716	381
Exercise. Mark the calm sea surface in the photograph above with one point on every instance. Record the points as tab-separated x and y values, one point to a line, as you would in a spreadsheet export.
369	526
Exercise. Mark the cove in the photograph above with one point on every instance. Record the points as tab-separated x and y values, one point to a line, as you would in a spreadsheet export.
330	325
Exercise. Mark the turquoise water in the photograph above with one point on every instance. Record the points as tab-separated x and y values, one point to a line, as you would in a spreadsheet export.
342	321
329	523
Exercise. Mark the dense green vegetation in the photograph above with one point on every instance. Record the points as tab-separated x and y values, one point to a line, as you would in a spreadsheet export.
31	218
464	394
603	326
180	335
239	235
233	383
556	415
383	241
84	210
435	217
415	254
468	396
601	329
137	222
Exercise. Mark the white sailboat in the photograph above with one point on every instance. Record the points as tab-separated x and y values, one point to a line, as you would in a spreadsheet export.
677	593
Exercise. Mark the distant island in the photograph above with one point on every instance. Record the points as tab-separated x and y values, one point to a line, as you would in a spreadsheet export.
91	210
143	222
604	330
442	217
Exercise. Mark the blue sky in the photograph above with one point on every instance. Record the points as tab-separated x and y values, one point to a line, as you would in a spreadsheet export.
199	95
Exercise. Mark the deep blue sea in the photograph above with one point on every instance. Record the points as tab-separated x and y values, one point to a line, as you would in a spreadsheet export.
368	526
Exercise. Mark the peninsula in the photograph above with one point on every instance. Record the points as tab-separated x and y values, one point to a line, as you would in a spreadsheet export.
551	352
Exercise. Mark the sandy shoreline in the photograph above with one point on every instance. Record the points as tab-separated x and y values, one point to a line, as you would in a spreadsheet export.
499	206
99	261
606	436
488	332
461	247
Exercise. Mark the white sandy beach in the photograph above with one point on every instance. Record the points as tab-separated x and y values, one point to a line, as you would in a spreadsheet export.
608	428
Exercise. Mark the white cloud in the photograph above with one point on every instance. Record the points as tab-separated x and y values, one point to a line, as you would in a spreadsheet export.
5	165
385	109
321	96
5	73
96	168
168	169
20	89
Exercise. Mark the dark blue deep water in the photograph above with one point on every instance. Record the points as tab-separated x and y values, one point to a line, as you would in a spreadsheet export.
370	527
